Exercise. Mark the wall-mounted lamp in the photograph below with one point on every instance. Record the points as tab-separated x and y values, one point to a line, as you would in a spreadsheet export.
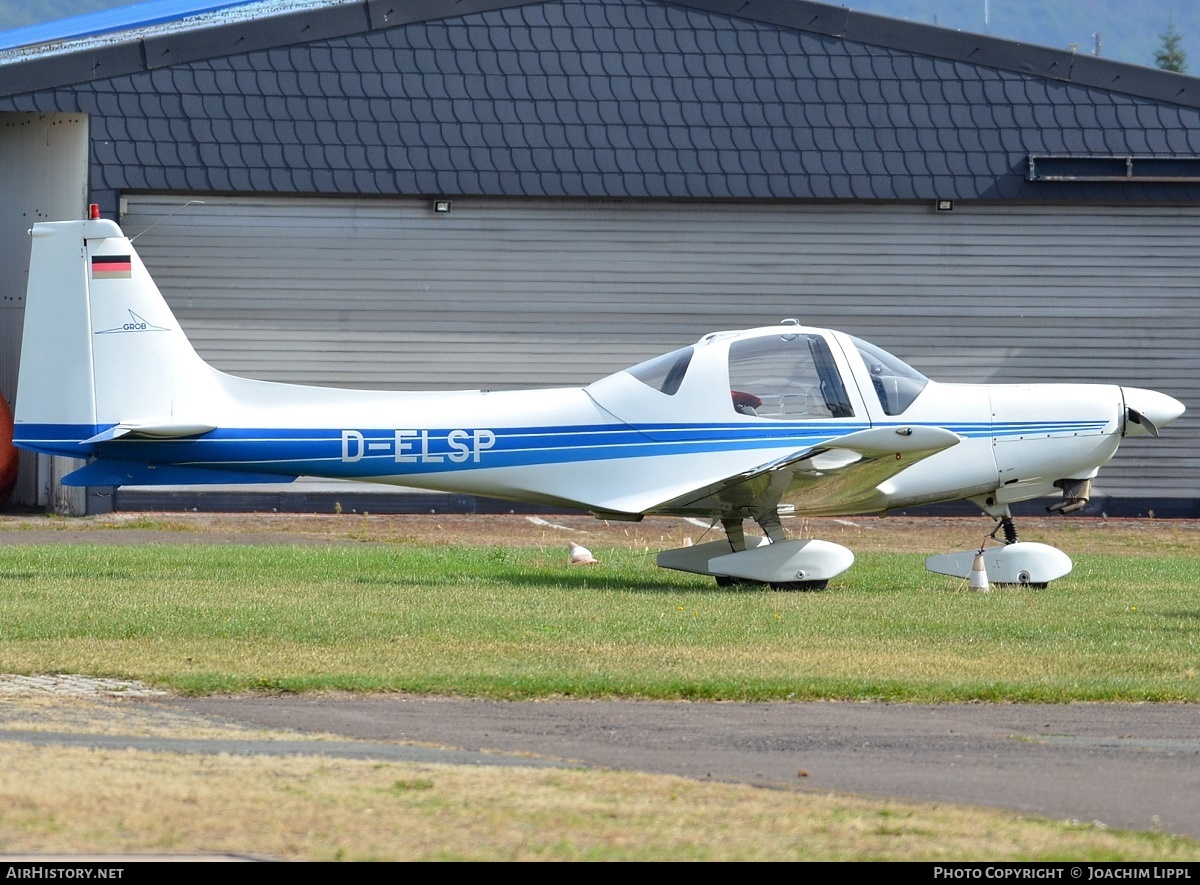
441	207
943	205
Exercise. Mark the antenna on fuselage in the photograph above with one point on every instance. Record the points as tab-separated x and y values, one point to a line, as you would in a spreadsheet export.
165	217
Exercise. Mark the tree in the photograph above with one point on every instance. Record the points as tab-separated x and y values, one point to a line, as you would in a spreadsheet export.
1171	56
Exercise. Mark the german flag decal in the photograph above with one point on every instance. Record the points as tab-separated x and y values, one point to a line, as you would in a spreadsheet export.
111	267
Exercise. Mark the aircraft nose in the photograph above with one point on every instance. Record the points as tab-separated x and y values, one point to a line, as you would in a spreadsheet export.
1148	410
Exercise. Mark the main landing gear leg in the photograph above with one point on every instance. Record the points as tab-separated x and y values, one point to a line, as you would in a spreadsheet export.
775	561
735	532
770	523
735	536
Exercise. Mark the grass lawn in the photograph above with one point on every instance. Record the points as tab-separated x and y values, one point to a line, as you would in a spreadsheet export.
517	622
485	608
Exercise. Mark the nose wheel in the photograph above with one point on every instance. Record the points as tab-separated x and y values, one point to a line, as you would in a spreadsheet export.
1013	562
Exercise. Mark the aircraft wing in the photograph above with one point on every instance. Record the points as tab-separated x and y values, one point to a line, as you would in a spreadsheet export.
837	476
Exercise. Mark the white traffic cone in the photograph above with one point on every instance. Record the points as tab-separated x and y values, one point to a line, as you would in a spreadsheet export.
979	580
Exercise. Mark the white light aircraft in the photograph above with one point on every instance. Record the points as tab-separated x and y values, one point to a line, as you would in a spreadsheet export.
748	425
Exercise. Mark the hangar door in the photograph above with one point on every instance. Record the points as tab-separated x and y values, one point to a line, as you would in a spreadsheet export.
501	294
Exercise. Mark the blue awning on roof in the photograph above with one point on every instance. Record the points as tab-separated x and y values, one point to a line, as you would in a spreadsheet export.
120	18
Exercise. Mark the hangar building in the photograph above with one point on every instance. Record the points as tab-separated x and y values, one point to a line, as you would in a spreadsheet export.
621	177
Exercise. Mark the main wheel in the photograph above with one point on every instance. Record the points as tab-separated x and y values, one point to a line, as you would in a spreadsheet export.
730	581
802	586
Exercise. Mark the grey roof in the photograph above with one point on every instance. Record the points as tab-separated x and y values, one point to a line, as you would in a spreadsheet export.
64	35
777	99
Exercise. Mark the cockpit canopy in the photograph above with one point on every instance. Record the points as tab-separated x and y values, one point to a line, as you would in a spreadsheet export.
793	377
788	378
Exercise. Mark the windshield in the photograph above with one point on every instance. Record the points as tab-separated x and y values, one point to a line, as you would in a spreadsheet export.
896	383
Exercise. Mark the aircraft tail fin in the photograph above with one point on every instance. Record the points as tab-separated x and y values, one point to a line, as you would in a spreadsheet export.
102	354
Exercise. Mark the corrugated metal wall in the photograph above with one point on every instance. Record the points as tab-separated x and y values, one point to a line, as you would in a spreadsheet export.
43	177
501	294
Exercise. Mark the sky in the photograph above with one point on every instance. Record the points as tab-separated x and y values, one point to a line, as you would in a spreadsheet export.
1129	30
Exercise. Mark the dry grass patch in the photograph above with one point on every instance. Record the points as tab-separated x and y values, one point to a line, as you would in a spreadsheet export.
894	534
307	808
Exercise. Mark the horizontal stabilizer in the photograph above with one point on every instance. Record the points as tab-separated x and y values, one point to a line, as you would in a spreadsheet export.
151	429
133	473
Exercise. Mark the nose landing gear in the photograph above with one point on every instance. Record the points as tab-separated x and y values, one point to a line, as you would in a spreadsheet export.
1022	563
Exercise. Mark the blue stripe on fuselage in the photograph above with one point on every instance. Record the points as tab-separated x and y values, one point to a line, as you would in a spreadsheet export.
57	439
391	452
375	452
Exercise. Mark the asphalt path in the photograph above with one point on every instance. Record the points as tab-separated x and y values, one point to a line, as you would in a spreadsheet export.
1133	766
